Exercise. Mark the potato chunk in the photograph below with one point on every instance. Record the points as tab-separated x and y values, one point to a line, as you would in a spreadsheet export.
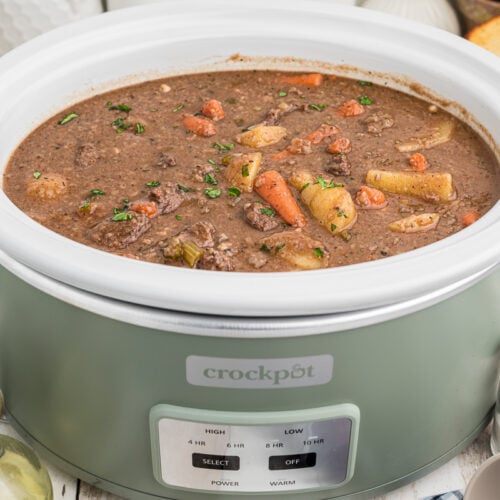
433	187
243	169
437	136
297	248
262	136
331	204
47	186
415	223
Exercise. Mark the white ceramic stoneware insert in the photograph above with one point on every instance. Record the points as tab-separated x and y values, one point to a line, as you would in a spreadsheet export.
55	70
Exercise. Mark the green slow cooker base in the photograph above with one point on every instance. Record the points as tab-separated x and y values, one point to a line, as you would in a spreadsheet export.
317	495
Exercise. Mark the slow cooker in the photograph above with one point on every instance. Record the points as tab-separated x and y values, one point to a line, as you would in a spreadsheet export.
159	382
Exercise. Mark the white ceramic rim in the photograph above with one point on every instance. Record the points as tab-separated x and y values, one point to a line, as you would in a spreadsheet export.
337	35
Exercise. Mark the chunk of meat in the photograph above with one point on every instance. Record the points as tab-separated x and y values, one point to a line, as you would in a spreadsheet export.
274	115
377	122
340	145
86	156
168	197
166	160
339	165
217	260
120	234
201	233
261	216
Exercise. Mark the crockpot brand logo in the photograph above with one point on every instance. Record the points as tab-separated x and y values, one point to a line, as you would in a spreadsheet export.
272	373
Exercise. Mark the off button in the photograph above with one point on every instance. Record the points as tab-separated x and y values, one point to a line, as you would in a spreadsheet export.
218	462
300	461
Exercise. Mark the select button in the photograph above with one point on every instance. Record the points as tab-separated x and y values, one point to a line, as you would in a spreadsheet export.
300	461
218	462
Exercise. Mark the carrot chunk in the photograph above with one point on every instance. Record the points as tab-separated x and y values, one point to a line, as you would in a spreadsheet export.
351	108
418	162
213	109
370	198
307	80
469	217
199	125
271	187
321	133
340	145
145	207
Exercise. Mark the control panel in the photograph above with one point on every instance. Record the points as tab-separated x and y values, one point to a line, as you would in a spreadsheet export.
254	451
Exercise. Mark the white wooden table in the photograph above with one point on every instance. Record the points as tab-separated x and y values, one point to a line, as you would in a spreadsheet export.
452	476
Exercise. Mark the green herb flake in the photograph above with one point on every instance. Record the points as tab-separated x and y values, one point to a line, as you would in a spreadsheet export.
325	185
85	207
316	107
67	118
213	193
268	211
341	213
178	217
153	184
125	200
319	252
244	170
120	125
185	189
282	93
210	179
279	247
265	248
154	110
94	192
178	108
364	83
139	128
118	107
365	100
37	175
122	216
233	191
305	185
222	147
333	227
212	162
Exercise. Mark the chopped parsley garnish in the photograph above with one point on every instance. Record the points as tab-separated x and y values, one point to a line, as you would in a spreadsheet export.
317	107
268	211
222	147
118	107
120	125
212	162
333	227
139	128
282	93
233	191
122	216
94	192
37	175
279	247
304	186
325	185
178	217
265	248
319	252
154	110
85	207
153	184
67	118
364	83
178	108
365	100
210	179
185	189
213	192
341	213
244	170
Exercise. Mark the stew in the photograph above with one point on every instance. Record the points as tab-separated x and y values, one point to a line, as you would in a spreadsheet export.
254	171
